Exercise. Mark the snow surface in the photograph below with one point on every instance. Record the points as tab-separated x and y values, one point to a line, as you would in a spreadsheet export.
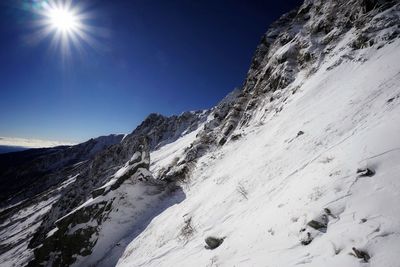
259	191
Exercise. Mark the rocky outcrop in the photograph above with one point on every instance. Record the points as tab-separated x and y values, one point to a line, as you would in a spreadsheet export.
157	129
300	40
161	130
120	203
296	43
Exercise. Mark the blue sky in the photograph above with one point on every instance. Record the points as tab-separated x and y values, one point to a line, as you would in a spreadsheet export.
155	56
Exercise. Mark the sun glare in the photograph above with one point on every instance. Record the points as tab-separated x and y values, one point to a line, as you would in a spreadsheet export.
66	23
62	19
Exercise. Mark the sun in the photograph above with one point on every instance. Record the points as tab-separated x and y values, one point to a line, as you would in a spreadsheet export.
66	24
63	19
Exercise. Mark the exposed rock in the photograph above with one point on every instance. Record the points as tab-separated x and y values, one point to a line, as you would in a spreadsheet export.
365	172
158	130
361	254
213	242
319	225
79	231
307	240
390	99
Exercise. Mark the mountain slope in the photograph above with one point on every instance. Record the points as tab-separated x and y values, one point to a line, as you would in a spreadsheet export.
296	158
299	166
261	191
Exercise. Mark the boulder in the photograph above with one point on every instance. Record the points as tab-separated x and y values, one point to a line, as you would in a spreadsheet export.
213	242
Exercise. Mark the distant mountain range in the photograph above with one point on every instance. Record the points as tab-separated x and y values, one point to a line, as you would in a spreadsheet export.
7	149
12	144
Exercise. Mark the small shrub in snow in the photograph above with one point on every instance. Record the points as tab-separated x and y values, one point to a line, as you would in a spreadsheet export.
161	171
187	230
300	133
329	213
174	161
242	191
327	160
236	137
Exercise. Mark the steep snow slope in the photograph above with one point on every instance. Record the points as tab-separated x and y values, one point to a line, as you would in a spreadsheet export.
260	191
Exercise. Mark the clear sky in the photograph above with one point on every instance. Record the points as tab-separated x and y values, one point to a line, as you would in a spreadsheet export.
165	56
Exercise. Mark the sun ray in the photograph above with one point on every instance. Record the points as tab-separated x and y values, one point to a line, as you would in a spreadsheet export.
67	24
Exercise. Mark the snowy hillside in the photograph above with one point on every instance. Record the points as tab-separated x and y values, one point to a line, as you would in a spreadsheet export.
261	191
296	162
299	166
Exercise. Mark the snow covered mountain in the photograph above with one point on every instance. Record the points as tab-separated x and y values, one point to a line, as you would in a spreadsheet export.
299	166
21	172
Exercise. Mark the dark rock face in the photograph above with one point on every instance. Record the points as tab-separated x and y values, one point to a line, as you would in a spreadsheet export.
317	225
283	50
68	246
161	130
370	5
361	254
